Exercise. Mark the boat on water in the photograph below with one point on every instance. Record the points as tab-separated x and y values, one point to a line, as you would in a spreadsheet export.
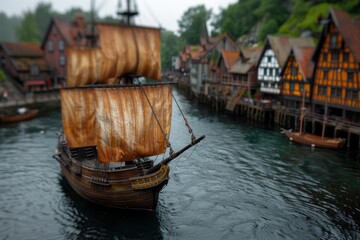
22	114
113	129
313	140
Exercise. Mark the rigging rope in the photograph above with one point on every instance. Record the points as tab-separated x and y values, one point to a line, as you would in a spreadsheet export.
193	138
158	122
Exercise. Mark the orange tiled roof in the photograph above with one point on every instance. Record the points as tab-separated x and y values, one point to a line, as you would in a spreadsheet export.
230	57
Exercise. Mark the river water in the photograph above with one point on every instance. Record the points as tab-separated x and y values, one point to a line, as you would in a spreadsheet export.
243	181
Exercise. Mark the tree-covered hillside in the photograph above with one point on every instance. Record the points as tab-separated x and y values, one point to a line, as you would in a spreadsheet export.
288	17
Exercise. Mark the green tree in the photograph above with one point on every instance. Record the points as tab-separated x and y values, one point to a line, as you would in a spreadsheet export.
43	13
237	19
7	27
170	46
192	23
28	30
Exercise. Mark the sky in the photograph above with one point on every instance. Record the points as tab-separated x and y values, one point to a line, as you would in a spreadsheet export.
152	12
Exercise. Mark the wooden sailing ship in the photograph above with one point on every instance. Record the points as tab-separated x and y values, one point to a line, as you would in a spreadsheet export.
19	116
111	131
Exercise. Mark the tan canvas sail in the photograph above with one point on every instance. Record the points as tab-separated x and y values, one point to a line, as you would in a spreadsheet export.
78	117
127	128
123	50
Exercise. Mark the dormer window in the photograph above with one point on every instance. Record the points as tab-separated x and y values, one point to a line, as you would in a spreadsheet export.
61	45
294	71
78	37
50	46
333	41
34	70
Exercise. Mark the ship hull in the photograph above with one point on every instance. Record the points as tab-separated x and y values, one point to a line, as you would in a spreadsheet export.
123	187
315	141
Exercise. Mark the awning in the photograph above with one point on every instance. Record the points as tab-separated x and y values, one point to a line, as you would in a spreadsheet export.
35	82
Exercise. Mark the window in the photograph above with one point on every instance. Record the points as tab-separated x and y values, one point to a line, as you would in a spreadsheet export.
61	45
336	92
294	71
325	56
333	41
269	59
301	87
326	74
322	90
50	46
78	37
291	86
34	70
351	94
270	72
345	57
62	60
334	56
350	76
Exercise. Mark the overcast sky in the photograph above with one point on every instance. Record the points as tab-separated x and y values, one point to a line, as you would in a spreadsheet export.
152	12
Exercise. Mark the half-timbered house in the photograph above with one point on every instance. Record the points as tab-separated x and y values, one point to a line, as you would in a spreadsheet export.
272	60
296	77
336	70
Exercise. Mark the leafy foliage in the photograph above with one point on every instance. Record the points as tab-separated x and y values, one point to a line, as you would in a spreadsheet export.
192	23
288	17
28	30
7	27
170	46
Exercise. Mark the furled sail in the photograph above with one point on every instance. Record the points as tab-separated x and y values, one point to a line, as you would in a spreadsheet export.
122	50
124	124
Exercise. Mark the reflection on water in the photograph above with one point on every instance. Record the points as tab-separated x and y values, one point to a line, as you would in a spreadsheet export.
83	220
244	181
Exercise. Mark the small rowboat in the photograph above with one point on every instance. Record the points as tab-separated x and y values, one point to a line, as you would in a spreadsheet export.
20	116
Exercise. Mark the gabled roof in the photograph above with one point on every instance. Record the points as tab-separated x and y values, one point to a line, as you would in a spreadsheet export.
249	59
348	27
68	30
303	57
21	49
282	46
230	57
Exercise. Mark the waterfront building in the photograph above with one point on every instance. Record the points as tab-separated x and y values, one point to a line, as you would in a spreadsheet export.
296	77
272	60
244	71
336	88
224	64
24	62
213	78
59	35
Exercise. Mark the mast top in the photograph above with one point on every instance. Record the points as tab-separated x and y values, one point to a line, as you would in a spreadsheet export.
128	13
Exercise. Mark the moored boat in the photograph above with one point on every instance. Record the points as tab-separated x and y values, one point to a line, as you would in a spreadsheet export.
22	114
314	140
